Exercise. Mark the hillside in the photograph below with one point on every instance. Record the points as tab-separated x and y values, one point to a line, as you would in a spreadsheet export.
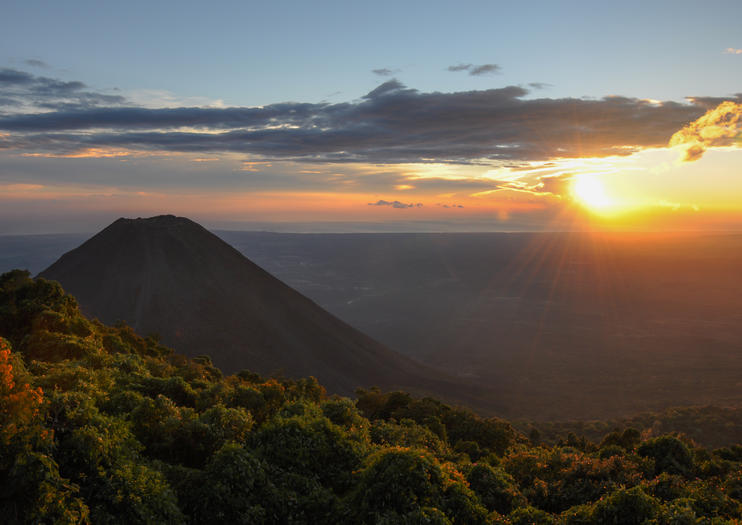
98	425
168	275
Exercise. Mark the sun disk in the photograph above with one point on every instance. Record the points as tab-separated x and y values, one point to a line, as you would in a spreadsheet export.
589	191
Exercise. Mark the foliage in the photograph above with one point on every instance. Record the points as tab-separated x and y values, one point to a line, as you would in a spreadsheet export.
710	426
495	488
670	455
100	425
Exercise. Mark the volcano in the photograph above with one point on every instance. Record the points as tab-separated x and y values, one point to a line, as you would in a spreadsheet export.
169	276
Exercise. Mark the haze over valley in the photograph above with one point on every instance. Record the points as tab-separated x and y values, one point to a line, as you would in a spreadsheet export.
553	326
565	325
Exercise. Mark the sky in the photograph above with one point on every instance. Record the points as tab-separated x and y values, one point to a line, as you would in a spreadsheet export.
384	116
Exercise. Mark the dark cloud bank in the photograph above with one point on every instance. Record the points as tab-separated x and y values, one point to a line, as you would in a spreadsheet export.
391	124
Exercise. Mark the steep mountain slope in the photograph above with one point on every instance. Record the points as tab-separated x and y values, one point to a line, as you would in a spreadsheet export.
170	276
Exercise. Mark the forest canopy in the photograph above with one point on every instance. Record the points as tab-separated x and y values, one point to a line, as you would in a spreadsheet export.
100	425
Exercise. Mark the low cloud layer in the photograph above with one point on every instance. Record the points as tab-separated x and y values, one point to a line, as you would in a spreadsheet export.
391	124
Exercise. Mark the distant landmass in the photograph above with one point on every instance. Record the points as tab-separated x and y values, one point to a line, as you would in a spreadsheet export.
169	276
567	325
557	325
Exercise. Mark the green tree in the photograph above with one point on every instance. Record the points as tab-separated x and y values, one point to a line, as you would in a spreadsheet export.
403	482
669	453
626	507
496	488
312	447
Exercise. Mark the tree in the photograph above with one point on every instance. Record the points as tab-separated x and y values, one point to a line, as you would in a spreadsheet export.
403	482
670	455
626	507
33	489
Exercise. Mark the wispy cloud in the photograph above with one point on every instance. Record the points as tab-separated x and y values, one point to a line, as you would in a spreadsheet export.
484	69
475	70
384	72
396	204
88	153
157	98
35	62
732	51
21	187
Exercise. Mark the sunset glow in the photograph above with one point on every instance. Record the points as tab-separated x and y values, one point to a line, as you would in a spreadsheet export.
447	137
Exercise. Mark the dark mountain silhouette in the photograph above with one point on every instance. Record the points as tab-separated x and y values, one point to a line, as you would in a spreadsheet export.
170	276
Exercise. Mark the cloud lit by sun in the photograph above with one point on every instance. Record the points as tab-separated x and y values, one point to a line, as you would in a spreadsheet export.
720	126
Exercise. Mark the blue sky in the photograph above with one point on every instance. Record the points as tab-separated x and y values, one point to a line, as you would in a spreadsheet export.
319	111
250	53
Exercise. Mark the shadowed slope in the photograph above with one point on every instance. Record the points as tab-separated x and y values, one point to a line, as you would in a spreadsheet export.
170	276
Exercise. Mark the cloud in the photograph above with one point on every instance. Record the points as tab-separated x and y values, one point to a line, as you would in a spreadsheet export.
9	77
475	70
449	205
540	85
396	204
30	93
555	184
711	102
34	62
392	124
390	86
720	126
484	69
733	51
384	72
21	187
90	153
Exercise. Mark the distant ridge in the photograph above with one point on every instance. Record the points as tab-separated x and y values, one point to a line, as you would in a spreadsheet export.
170	276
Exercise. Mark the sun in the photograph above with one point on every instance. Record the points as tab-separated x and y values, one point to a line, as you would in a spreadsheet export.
590	192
